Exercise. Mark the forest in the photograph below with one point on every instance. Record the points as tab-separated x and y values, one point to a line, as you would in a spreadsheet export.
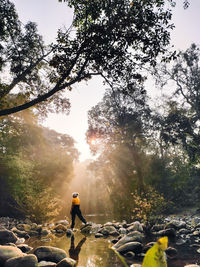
147	150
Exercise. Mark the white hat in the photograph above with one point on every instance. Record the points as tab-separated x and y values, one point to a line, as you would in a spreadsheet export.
75	194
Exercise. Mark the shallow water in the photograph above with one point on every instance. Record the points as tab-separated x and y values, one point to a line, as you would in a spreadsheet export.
89	251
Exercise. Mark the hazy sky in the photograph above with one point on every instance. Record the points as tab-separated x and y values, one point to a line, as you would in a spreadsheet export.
51	15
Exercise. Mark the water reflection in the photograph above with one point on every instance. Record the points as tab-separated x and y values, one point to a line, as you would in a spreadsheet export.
75	250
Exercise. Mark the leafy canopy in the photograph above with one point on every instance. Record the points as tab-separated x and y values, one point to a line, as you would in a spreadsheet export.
108	38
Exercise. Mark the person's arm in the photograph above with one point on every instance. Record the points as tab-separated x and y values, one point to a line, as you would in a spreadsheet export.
72	207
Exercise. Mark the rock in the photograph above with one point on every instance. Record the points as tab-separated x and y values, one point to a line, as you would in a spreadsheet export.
33	233
23	227
136	265
196	233
98	235
170	232
148	246
175	224
180	242
67	262
130	255
7	236
184	231
46	239
114	241
7	252
46	264
20	233
135	247
122	230
60	227
24	248
108	224
45	232
195	221
22	261
107	230
69	232
114	233
131	237
49	253
34	226
20	241
157	227
95	228
86	229
63	222
171	252
10	244
135	226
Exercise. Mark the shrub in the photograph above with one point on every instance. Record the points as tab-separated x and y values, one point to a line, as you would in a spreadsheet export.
147	205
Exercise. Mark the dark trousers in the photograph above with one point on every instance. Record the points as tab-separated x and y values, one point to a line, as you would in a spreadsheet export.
76	211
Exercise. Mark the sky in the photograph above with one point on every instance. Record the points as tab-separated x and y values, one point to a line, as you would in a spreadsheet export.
50	15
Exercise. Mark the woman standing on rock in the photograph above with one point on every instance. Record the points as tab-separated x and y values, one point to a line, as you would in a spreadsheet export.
75	210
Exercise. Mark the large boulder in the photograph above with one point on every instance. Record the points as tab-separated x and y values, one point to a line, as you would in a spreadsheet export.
176	224
135	247
8	252
135	226
67	262
48	253
7	236
108	230
134	236
22	261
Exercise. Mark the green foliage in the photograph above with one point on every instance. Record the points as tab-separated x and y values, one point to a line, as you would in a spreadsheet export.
134	152
112	39
37	164
147	204
180	124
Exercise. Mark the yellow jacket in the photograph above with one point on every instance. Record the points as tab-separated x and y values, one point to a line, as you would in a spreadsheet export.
75	201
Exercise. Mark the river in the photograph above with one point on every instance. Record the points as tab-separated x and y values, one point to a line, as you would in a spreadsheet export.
89	251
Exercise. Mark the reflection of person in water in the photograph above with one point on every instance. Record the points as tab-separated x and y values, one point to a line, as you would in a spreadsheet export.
74	251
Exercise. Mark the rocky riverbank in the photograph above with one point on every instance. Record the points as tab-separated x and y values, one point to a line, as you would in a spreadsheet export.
131	240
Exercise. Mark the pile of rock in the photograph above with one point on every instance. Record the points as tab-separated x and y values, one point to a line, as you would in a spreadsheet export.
14	253
128	239
12	256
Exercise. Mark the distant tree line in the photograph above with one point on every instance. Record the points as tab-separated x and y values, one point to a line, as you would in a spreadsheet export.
36	165
149	155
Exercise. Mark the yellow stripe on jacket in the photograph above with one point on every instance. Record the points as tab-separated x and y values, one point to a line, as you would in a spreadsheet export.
76	201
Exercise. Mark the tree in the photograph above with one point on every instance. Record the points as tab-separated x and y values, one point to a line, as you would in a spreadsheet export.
117	126
180	124
34	160
107	38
